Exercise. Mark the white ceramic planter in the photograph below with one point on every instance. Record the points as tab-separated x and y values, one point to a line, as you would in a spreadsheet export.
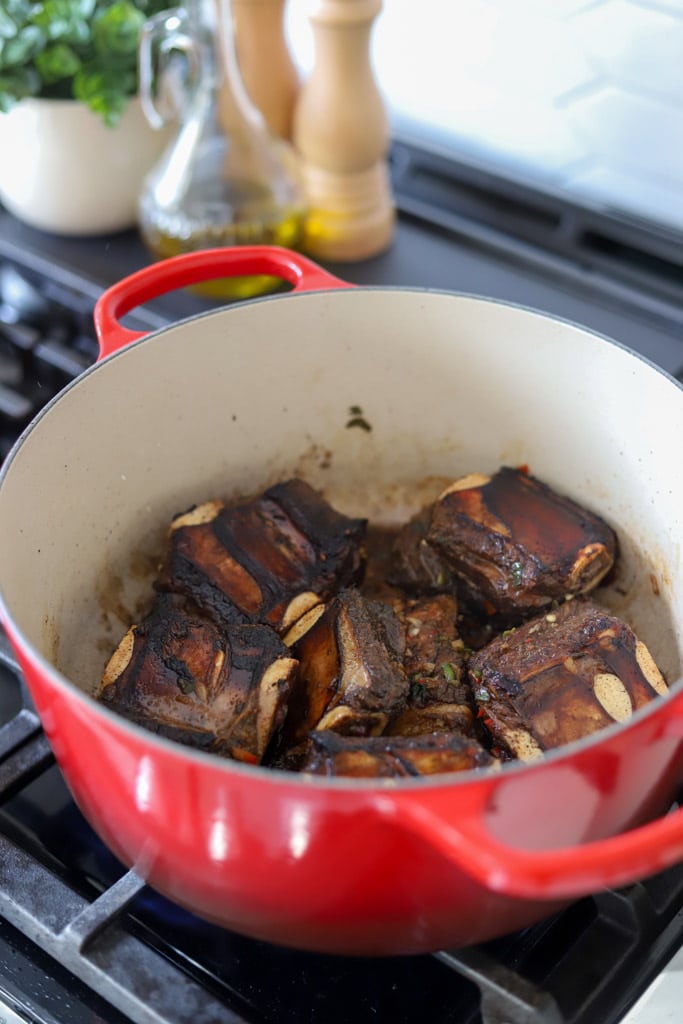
63	170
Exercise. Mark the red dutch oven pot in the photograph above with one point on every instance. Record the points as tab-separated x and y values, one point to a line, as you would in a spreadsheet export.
238	398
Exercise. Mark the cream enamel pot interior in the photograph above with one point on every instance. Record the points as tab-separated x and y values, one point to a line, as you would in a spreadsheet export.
244	396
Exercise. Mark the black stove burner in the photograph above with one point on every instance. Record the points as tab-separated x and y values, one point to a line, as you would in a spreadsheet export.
46	339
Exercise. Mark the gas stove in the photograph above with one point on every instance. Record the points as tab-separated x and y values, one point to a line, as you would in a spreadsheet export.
83	940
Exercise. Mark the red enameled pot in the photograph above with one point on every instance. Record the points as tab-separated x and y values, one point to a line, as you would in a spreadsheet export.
239	398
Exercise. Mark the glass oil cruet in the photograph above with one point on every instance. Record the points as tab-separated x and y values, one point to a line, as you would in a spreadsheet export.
224	179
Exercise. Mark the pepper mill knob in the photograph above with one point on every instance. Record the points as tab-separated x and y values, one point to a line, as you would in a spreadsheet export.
269	74
341	133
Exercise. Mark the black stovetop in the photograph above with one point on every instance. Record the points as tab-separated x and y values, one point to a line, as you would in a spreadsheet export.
81	939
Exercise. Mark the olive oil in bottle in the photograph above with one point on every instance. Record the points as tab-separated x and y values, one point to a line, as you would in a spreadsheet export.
224	180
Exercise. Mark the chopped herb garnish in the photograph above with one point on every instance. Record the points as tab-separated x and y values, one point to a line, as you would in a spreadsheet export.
476	672
359	421
448	670
482	694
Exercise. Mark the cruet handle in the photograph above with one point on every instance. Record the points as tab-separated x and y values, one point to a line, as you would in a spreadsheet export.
165	38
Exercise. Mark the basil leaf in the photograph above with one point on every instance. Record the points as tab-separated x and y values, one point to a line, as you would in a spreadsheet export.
57	62
81	49
105	92
22	48
117	29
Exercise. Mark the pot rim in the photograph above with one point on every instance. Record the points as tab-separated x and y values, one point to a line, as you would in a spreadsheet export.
568	752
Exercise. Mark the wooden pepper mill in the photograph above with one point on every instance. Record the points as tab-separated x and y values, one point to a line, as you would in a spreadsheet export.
341	133
269	74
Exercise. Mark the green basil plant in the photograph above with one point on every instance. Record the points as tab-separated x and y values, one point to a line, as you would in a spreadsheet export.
73	49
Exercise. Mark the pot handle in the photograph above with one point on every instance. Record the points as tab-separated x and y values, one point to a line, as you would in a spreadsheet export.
555	874
197	268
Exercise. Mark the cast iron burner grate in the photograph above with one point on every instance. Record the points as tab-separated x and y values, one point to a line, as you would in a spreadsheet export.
118	952
47	338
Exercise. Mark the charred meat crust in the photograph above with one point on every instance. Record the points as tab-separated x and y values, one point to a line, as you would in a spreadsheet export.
515	545
222	689
416	565
561	676
393	757
247	562
351	675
